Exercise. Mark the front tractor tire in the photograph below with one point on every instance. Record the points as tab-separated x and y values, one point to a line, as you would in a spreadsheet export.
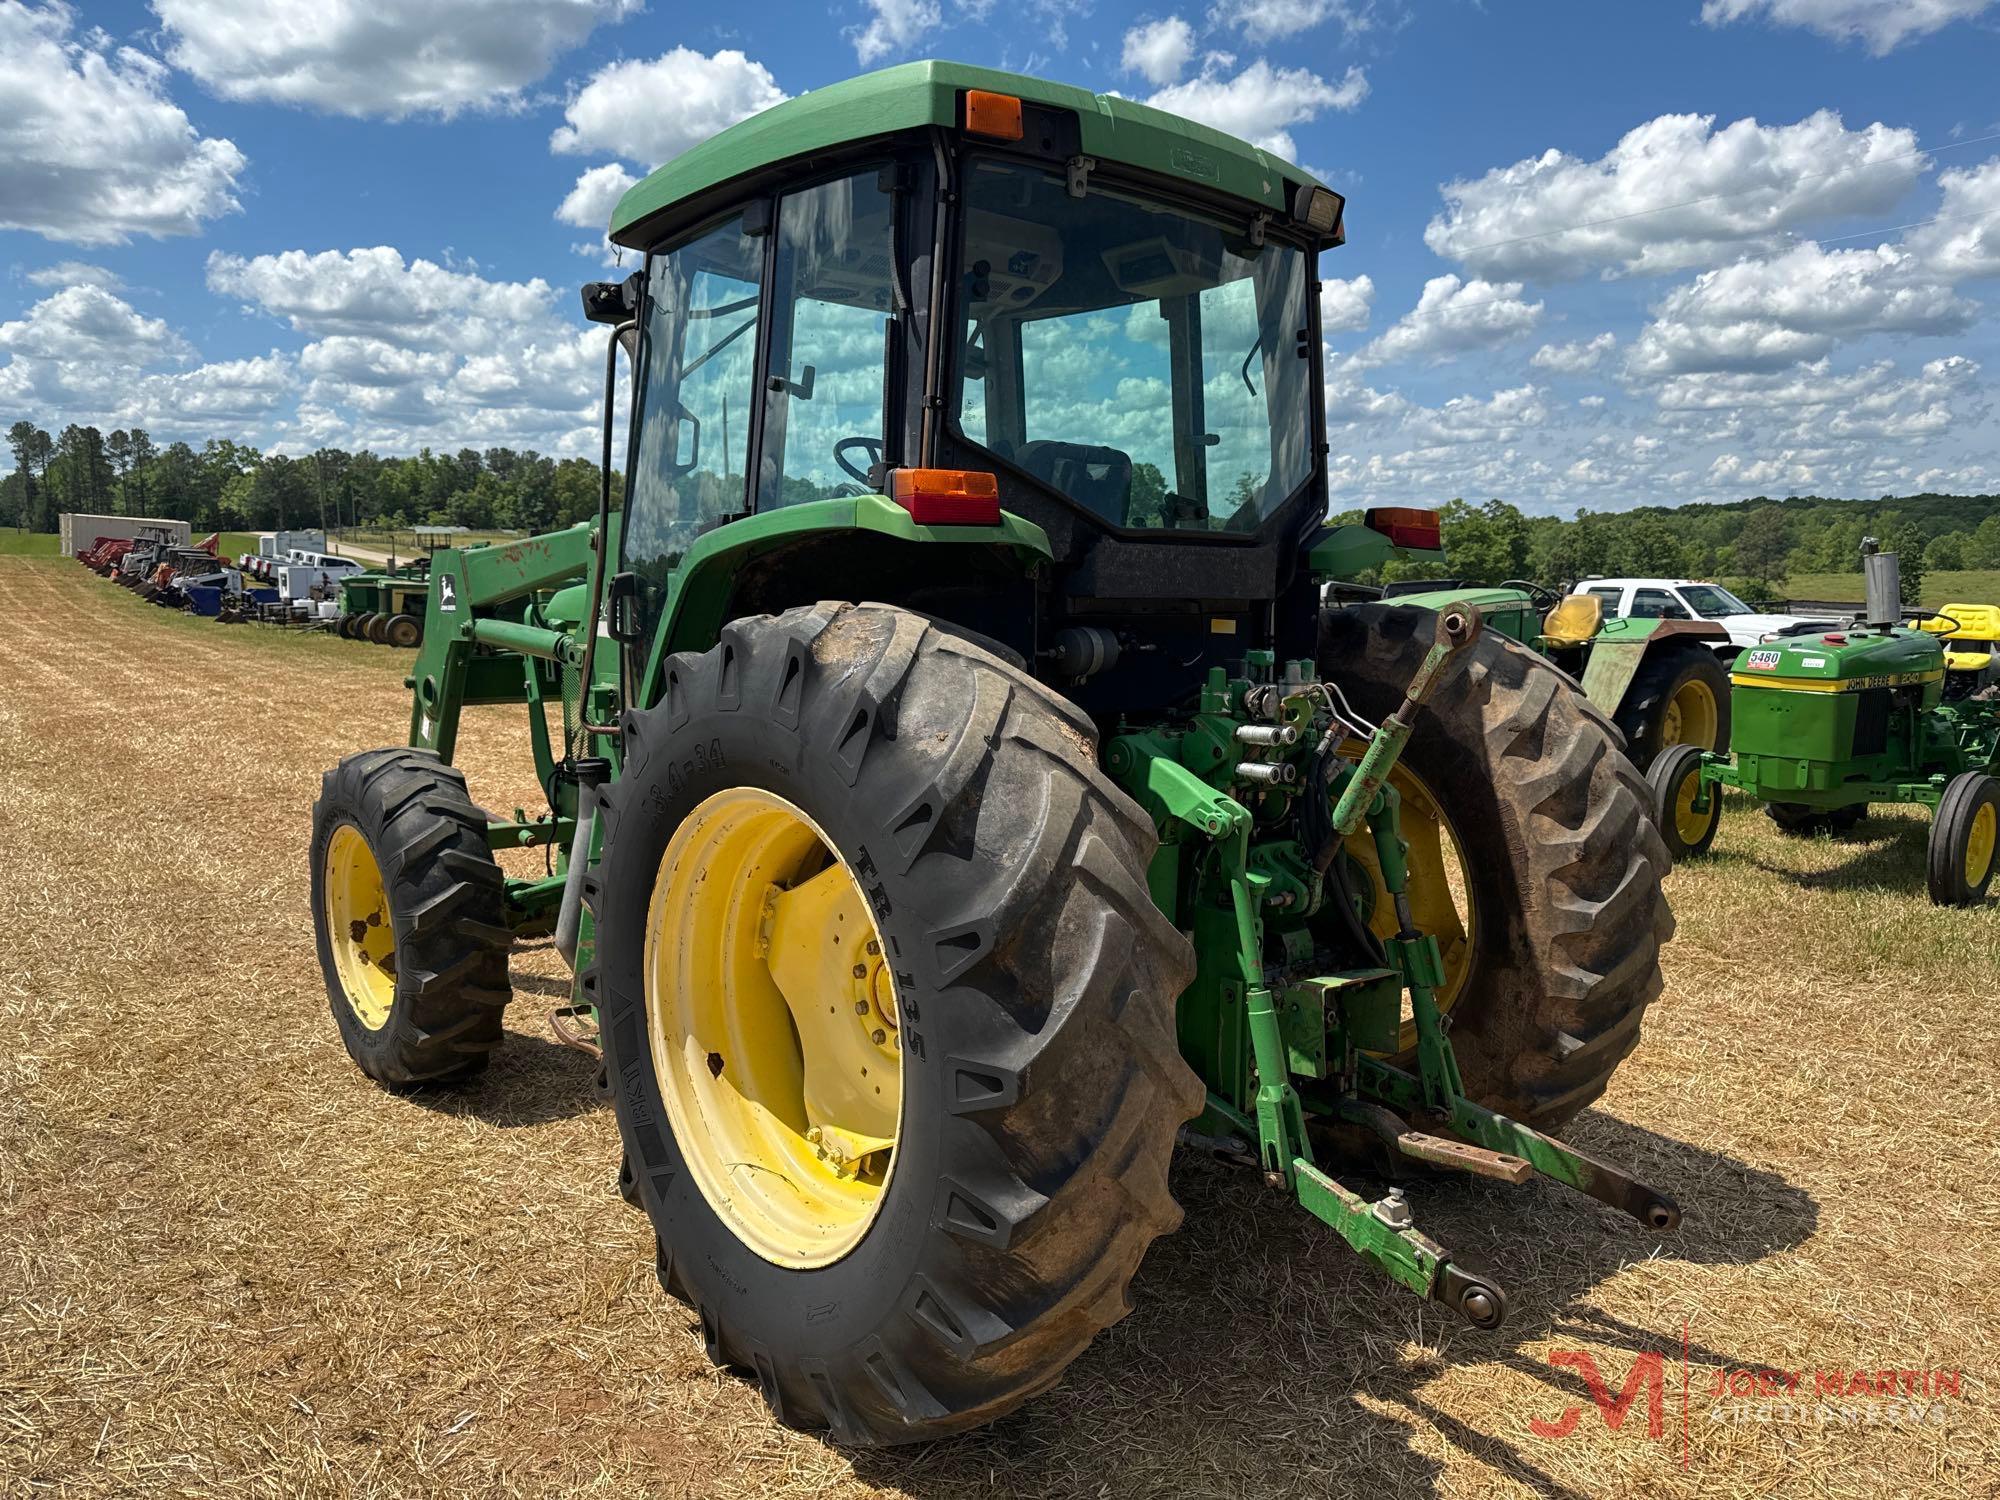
888	1017
1679	696
1560	862
410	918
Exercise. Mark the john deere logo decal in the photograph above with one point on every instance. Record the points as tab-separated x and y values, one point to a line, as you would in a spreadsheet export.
447	595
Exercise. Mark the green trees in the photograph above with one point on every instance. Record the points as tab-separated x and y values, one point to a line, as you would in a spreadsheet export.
225	485
1761	556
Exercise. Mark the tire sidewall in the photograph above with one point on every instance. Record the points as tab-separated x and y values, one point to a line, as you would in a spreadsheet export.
822	1311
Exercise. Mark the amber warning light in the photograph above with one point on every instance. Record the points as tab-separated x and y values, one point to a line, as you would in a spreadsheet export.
1417	529
947	497
996	116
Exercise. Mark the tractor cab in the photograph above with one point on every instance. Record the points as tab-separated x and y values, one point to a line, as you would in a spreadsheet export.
1104	314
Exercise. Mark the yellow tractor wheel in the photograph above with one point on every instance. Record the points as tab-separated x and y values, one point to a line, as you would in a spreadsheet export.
888	1017
409	916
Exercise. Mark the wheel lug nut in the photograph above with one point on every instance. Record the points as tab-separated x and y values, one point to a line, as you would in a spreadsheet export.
861	1007
880	1036
873	946
861	971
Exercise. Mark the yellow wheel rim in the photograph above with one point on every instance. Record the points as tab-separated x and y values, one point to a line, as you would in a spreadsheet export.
1691	717
772	1012
1693	826
1440	896
357	920
1979	846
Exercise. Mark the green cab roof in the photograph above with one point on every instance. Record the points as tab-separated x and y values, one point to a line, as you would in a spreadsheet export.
916	95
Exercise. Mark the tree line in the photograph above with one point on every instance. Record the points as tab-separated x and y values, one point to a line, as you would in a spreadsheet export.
1759	544
228	486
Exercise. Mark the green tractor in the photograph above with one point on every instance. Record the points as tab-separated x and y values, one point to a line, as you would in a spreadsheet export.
1826	724
386	608
1662	682
962	793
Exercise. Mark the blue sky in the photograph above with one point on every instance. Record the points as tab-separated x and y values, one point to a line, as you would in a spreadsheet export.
1599	254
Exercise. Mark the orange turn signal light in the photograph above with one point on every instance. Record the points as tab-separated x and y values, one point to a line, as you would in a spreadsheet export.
947	497
995	115
1406	527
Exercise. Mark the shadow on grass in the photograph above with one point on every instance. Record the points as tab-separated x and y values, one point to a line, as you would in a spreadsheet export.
1884	856
531	1080
1264	1358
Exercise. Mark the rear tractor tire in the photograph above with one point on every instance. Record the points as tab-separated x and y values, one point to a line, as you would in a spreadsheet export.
404	631
410	916
377	630
1679	696
1965	840
1549	977
888	1017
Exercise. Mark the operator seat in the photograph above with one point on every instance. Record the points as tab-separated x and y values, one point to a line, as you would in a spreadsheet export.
1574	620
1097	477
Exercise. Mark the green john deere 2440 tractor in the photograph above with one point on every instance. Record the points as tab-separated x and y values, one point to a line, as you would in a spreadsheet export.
1874	711
963	794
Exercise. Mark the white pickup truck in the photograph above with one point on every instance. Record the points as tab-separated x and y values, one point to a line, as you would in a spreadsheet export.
1687	599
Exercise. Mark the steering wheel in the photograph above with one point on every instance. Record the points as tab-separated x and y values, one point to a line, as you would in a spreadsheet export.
1544	598
871	446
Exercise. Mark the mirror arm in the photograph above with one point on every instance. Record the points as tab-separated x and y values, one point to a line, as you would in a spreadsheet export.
597	579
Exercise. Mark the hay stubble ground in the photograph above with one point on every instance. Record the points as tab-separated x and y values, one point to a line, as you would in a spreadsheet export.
229	1265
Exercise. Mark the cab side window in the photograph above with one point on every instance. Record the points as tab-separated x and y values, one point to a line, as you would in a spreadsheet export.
831	300
696	394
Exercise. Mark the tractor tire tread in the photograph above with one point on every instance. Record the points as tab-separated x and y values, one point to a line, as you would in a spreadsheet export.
447	902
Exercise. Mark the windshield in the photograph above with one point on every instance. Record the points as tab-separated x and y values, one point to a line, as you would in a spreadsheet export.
1150	365
1712	602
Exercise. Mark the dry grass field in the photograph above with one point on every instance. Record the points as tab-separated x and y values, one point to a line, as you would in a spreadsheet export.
230	1266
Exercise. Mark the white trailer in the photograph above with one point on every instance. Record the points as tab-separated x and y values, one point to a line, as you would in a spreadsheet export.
80	530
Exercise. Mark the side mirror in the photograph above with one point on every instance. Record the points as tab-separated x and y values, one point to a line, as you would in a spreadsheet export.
612	301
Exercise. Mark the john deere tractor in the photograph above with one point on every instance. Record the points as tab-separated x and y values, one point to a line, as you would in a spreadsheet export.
958	793
1826	724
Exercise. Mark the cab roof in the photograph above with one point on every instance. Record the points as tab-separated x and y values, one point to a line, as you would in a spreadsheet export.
916	95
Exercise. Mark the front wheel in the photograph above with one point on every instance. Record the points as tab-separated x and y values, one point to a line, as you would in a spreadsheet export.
1551	915
1676	782
409	913
1963	842
888	1016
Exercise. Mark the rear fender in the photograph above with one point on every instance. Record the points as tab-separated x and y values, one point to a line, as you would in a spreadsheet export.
1622	647
763	564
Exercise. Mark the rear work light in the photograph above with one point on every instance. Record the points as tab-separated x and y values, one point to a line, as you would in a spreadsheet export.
1416	529
947	497
995	116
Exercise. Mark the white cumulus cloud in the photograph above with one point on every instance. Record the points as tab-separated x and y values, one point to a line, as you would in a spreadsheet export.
1261	102
1453	317
1673	193
1344	305
1267	20
894	26
1576	357
654	110
596	193
1879	25
1158	51
362	57
1770	313
92	150
1965	242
